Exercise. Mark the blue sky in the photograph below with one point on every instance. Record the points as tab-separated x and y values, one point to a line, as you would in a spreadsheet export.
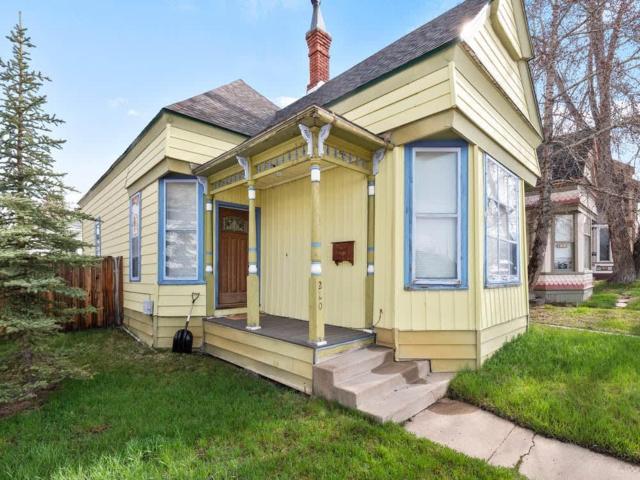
115	63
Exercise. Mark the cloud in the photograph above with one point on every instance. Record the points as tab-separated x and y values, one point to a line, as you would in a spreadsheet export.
115	103
133	113
284	101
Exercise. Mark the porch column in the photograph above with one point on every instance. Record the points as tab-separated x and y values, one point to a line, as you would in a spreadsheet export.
371	219
253	283
378	156
316	294
208	260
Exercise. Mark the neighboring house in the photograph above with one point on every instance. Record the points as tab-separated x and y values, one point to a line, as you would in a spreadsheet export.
389	199
567	271
578	248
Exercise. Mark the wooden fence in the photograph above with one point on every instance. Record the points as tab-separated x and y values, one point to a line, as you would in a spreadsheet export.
103	285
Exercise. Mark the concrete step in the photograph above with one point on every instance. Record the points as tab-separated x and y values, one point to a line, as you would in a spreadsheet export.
338	369
407	400
379	381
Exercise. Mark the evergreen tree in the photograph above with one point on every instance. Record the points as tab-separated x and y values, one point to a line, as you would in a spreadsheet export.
36	237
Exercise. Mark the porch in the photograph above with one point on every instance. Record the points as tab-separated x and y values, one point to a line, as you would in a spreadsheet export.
280	349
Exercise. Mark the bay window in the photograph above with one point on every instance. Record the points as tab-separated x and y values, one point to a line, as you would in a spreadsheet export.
436	239
564	243
135	206
502	224
181	217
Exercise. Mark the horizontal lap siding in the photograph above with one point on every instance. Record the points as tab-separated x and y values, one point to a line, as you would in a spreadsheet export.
507	19
111	204
499	63
286	363
285	247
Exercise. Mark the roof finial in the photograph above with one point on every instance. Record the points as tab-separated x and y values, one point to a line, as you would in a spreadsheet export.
317	21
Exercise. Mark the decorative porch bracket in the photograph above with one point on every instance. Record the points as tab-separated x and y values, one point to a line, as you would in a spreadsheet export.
322	137
246	166
378	156
308	136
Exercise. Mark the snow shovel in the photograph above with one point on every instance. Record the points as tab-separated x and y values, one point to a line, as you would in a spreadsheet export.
183	339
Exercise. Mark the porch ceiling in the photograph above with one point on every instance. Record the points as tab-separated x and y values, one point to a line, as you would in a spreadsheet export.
343	131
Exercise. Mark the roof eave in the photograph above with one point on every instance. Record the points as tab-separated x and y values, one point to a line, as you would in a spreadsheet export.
310	116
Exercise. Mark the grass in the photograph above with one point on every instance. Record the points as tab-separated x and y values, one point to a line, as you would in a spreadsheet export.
599	313
605	295
619	320
577	386
148	415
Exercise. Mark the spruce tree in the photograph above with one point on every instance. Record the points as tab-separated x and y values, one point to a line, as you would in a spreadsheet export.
36	237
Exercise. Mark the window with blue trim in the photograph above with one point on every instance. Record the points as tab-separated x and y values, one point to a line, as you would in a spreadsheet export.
98	237
135	233
436	197
181	242
502	224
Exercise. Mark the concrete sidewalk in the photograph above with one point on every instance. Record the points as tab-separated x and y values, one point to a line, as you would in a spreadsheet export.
480	434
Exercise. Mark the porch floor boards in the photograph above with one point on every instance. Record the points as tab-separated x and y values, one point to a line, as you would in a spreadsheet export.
292	330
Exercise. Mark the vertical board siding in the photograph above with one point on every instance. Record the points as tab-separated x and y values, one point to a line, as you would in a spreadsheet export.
285	247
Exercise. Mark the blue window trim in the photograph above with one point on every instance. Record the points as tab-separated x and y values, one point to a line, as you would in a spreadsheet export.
131	277
506	283
463	176
235	206
97	238
199	280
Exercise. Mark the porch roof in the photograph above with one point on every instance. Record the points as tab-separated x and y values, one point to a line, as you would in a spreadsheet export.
312	116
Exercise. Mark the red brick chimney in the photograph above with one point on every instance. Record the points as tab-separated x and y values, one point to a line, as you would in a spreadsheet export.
319	42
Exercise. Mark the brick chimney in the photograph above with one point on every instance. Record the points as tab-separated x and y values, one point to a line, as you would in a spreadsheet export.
319	42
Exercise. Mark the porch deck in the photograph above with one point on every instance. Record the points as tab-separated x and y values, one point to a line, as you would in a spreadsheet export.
280	350
292	330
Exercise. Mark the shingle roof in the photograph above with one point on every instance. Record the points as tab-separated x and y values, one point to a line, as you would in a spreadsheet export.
432	35
234	106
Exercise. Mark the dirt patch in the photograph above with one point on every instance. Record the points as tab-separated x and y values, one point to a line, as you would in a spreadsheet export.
452	407
13	408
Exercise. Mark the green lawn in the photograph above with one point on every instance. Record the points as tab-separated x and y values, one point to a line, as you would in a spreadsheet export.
618	320
599	312
577	386
605	295
147	415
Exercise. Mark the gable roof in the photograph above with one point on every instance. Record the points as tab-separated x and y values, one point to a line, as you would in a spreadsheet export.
425	39
234	106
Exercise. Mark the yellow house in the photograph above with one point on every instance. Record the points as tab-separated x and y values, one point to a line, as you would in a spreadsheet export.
386	206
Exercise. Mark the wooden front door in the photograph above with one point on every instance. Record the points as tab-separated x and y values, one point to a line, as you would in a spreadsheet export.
233	261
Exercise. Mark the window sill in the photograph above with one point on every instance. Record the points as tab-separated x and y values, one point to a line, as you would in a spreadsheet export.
502	285
417	287
181	282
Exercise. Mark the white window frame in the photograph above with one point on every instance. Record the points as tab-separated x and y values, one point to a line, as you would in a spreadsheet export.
197	276
458	215
574	241
501	280
97	237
